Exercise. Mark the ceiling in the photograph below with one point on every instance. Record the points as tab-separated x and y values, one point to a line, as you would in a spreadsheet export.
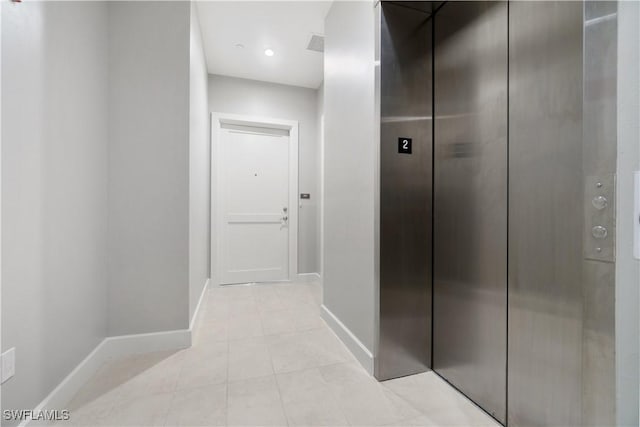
283	26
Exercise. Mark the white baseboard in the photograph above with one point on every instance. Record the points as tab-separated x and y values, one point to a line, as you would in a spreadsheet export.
355	346
60	397
111	348
308	277
194	318
126	345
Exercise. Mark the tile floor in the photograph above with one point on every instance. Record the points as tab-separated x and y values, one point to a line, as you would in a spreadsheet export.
263	357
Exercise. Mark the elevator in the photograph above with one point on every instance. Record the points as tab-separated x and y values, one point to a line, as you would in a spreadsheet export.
470	200
497	225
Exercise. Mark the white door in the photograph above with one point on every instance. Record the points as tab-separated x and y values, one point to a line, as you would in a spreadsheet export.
254	190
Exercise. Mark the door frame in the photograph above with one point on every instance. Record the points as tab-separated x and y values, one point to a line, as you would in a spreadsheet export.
217	120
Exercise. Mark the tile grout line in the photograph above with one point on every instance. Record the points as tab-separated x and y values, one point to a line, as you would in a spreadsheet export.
275	378
332	397
226	388
420	411
226	383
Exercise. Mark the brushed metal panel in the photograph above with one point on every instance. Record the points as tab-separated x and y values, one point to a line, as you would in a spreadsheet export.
470	201
600	35
428	7
546	186
405	192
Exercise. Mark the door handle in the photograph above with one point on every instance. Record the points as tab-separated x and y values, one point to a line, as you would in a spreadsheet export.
285	218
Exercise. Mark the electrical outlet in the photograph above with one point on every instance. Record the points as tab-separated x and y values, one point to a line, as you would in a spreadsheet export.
8	364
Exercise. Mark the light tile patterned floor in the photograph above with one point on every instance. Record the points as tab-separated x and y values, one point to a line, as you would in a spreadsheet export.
264	357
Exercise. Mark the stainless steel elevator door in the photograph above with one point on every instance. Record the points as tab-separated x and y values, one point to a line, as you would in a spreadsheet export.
470	201
405	190
545	213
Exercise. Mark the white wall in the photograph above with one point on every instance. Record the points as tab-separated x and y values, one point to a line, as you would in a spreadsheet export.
54	191
250	97
199	166
349	171
627	268
148	166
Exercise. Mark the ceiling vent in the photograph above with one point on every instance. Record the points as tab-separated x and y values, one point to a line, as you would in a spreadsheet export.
316	43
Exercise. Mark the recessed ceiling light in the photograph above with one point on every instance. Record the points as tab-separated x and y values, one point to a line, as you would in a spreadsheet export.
269	52
239	45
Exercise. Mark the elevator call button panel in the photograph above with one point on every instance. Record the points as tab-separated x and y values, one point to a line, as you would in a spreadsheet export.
599	218
404	145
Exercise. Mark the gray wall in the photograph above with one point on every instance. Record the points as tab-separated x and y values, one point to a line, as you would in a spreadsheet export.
627	268
250	97
148	166
199	167
349	167
105	180
54	198
320	166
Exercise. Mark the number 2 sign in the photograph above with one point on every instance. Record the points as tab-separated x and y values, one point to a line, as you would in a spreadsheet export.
404	145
